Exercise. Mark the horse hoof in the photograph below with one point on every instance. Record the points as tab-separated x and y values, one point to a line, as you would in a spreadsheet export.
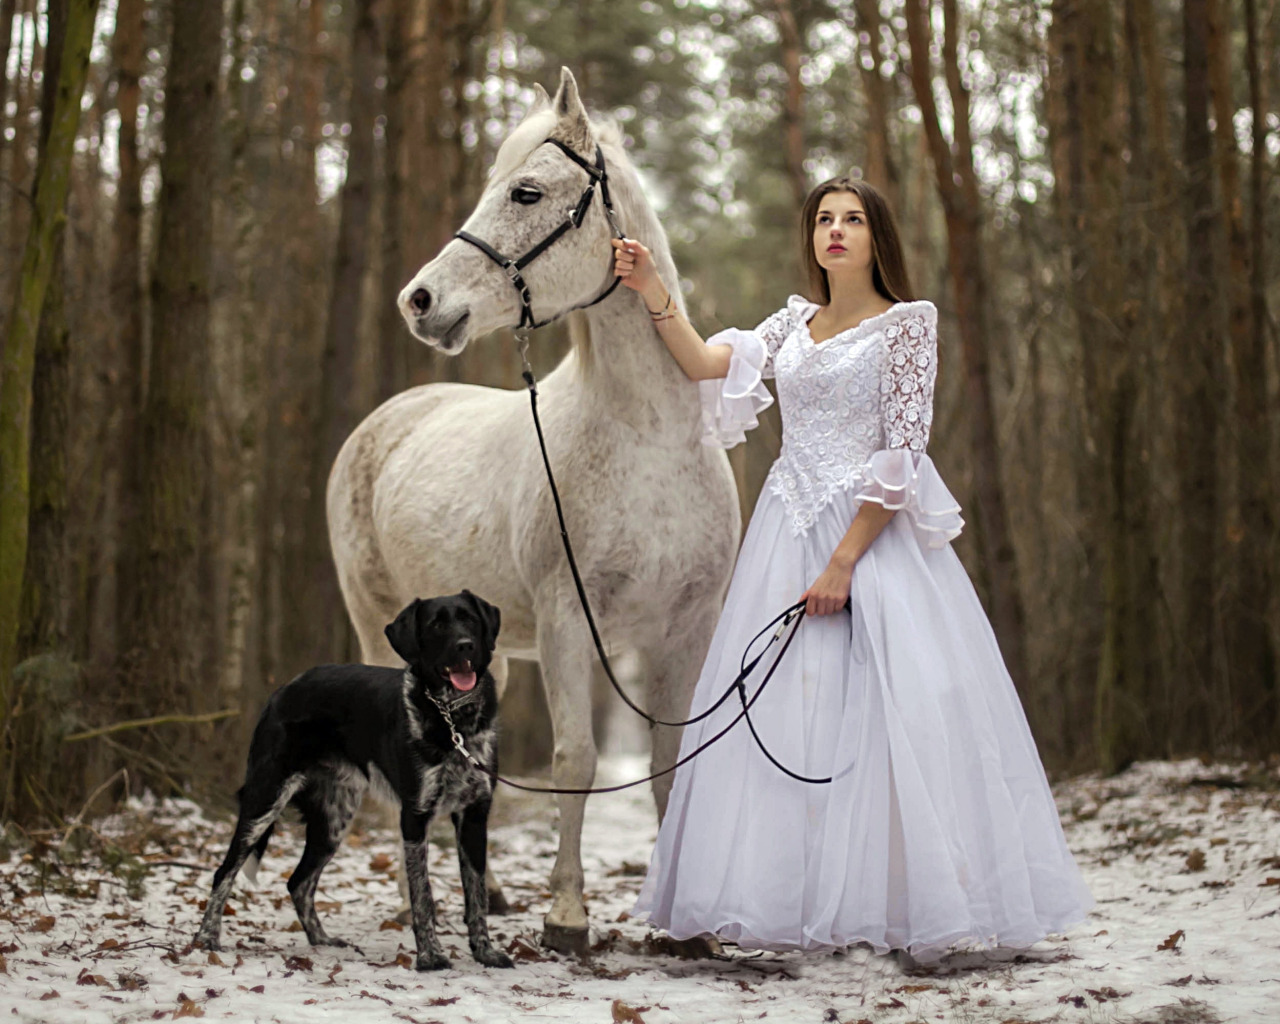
498	904
575	941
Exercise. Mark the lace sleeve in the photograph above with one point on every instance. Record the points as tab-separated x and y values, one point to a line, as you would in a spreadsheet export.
906	386
773	331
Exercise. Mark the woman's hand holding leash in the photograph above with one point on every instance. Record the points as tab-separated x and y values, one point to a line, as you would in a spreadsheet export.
830	591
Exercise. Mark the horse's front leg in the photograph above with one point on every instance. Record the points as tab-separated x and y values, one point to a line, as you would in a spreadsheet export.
565	652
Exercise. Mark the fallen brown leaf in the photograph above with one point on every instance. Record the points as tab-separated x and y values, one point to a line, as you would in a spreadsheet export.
624	1014
1172	941
186	1008
298	963
51	994
44	924
1180	982
86	978
216	960
109	944
391	925
381	862
1195	860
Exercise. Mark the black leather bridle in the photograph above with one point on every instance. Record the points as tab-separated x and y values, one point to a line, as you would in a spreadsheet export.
598	176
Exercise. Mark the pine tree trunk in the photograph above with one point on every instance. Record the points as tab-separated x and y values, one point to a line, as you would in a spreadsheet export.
1200	404
115	587
53	178
171	648
793	102
338	409
881	168
1255	642
963	212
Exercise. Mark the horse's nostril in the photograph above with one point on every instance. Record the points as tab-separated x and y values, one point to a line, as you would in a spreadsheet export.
420	300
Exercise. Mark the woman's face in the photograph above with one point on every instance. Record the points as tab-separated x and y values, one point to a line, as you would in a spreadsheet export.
841	237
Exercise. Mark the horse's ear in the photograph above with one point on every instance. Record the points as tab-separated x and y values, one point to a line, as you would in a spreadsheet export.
572	126
541	101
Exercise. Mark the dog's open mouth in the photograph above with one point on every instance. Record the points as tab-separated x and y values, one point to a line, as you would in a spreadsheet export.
462	676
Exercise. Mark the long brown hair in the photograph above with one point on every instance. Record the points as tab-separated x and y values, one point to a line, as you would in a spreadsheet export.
888	271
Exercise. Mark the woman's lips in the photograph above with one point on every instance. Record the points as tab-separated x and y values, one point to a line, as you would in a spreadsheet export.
836	248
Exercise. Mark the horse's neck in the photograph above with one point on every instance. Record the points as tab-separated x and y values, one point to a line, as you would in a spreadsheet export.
630	373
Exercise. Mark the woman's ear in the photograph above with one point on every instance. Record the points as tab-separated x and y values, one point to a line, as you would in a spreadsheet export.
489	616
402	633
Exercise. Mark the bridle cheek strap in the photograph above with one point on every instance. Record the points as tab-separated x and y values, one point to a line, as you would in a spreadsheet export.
512	267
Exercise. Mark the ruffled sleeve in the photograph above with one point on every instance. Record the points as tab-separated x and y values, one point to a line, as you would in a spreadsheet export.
731	404
900	475
899	478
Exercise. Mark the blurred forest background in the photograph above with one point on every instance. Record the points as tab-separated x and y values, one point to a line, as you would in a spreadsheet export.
1086	189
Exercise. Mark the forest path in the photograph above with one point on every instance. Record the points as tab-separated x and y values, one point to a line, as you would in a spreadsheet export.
1183	859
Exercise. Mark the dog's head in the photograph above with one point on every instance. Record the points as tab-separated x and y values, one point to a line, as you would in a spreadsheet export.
447	642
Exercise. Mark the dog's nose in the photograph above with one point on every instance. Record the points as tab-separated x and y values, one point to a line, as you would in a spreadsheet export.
420	301
466	645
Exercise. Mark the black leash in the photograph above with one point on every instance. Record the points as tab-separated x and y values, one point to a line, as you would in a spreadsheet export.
795	613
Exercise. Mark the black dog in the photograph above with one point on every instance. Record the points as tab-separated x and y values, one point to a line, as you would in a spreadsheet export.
327	736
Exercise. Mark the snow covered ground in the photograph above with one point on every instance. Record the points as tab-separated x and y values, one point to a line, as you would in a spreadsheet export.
1184	860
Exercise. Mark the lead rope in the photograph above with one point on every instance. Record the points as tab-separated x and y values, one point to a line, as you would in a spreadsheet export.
793	614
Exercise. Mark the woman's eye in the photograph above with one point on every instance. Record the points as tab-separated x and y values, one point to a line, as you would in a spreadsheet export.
524	195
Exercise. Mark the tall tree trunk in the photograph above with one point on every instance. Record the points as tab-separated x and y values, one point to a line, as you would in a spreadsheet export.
246	406
43	626
882	171
962	208
175	443
53	178
7	10
392	340
1201	405
338	403
793	101
1254	643
115	589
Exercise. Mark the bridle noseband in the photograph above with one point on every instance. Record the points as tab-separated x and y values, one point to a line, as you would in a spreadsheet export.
598	175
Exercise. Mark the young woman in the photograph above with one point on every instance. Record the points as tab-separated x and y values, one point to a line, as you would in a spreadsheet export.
939	829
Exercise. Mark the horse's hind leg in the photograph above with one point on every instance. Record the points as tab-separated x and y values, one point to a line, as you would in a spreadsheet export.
565	652
673	672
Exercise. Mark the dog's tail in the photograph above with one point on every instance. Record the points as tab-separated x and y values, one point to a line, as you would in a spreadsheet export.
250	869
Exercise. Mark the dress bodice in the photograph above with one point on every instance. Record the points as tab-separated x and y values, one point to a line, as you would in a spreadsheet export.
863	390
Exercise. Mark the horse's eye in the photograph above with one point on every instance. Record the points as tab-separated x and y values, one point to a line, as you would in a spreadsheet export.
524	195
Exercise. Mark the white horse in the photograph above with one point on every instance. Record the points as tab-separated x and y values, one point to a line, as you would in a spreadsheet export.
443	487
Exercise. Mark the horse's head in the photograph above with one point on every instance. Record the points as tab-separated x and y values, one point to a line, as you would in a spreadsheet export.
465	293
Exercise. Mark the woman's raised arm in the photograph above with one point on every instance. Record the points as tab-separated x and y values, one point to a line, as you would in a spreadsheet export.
700	361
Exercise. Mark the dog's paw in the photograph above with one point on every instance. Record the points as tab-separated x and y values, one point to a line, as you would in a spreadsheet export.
432	961
491	957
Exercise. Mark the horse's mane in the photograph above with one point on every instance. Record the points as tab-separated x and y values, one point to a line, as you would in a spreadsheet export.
635	215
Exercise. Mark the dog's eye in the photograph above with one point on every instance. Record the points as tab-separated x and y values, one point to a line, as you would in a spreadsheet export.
525	195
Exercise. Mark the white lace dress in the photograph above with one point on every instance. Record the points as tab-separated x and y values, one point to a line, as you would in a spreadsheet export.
939	830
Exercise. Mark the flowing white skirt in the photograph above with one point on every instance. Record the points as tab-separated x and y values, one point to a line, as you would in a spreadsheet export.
940	829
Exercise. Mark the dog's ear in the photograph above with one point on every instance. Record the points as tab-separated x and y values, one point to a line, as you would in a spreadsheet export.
489	615
402	633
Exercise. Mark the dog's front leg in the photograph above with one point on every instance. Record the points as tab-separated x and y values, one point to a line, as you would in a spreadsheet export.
413	831
472	828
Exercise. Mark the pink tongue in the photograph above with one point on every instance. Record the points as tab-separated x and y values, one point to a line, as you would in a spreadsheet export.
462	680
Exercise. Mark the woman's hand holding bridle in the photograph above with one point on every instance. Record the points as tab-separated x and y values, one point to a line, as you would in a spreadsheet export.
633	262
